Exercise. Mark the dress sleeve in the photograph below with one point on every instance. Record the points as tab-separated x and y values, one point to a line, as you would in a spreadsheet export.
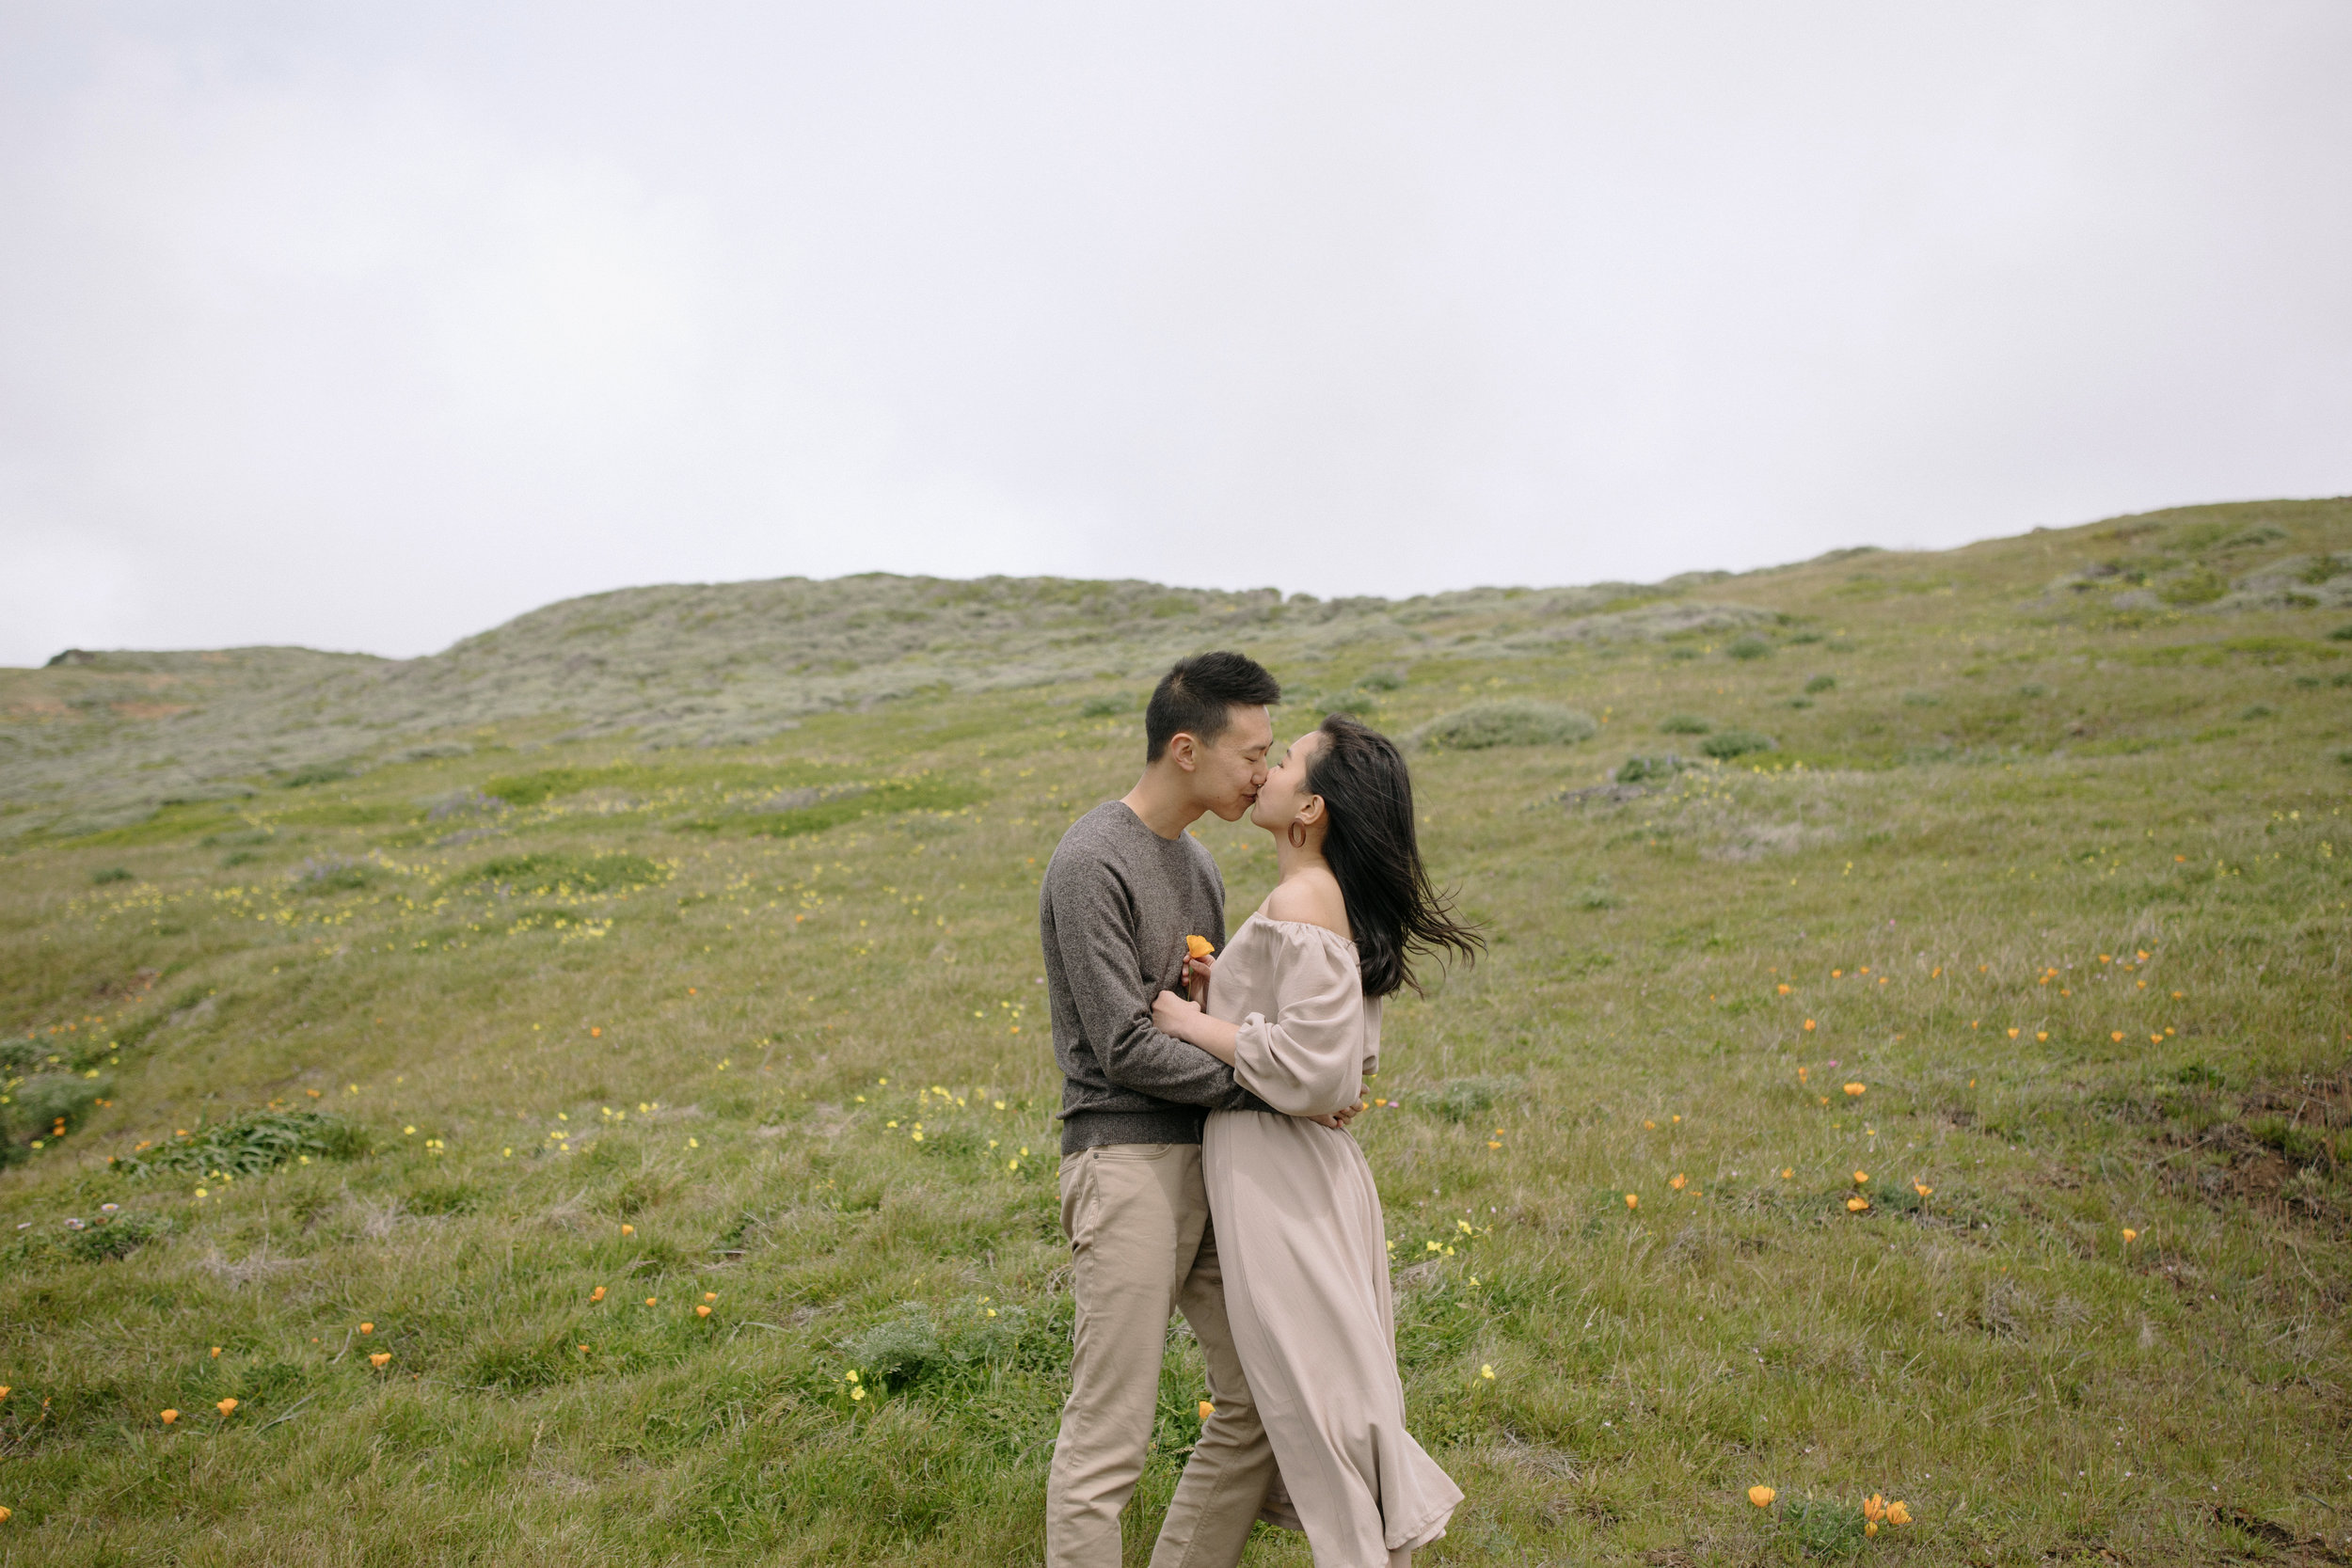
1308	1060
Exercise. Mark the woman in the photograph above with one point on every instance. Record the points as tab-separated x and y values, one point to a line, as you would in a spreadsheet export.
1293	1005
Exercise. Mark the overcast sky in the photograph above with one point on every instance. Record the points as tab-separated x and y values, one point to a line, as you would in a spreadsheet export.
368	326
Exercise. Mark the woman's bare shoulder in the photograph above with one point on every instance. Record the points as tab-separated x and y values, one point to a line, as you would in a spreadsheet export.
1311	899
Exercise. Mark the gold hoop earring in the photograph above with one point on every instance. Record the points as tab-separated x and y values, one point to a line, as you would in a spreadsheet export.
1296	833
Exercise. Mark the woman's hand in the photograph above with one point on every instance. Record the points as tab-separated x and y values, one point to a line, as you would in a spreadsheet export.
1177	1015
1197	976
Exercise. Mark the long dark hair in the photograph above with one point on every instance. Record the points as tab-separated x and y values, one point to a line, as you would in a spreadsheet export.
1374	853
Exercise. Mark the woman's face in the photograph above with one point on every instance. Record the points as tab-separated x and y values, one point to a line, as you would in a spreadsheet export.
1285	793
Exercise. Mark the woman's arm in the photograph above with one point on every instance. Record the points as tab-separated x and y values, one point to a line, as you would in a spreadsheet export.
1173	1014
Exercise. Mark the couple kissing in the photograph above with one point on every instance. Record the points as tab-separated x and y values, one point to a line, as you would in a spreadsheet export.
1206	1165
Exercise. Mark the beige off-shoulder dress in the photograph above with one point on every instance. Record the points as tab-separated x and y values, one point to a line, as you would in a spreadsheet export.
1299	1232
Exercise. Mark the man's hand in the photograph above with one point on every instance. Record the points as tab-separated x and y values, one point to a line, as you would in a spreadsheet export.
1174	1014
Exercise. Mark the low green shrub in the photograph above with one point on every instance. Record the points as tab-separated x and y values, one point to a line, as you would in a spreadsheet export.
902	1349
250	1144
111	874
1683	723
114	1237
316	773
1105	706
2342	634
557	873
1640	769
1749	646
1736	743
1822	683
1820	1528
1506	723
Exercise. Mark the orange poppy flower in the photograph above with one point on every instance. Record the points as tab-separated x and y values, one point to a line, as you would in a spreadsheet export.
1857	1089
367	1328
1898	1513
1633	1201
225	1407
169	1417
1680	1182
1207	1410
1856	1204
596	1294
1198	947
1761	1496
702	1311
1874	1507
381	1358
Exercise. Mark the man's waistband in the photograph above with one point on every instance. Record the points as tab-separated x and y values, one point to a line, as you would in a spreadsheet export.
1083	1130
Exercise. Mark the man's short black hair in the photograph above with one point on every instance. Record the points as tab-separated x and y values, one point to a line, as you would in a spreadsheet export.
1199	694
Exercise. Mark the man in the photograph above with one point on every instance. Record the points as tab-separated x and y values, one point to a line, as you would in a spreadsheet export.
1124	889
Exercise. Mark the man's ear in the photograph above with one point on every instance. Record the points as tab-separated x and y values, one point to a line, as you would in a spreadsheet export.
1183	750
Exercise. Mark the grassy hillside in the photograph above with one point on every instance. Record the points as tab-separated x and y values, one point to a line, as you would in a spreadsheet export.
409	1052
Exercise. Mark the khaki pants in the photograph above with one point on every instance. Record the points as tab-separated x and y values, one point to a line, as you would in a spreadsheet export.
1137	1219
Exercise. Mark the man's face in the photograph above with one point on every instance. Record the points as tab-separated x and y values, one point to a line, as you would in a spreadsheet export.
1228	771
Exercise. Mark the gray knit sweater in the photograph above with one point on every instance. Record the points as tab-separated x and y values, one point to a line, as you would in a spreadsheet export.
1117	904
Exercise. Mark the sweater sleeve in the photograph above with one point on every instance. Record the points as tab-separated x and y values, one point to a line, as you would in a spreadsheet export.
1308	1060
1094	928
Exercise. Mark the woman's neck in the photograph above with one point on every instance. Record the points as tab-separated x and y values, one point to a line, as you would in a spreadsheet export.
1290	859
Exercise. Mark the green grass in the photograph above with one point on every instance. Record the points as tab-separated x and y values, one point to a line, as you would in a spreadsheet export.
621	1034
